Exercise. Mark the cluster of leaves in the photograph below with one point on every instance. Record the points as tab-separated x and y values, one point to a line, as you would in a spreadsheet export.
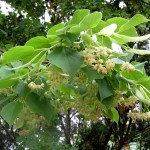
46	72
14	27
61	10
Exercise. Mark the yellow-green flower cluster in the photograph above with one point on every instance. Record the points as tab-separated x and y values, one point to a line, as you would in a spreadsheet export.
34	86
110	65
128	102
97	59
127	66
139	116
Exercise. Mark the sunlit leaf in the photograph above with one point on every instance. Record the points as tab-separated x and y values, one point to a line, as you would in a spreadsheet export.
17	53
56	29
141	97
122	39
38	42
134	75
134	21
89	21
87	39
119	21
137	51
78	16
8	82
115	115
104	40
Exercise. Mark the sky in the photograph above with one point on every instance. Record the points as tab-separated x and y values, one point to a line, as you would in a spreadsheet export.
5	8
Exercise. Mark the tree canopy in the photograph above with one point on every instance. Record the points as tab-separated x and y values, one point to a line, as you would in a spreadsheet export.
64	79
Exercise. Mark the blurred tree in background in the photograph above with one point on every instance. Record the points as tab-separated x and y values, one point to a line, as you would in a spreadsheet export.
28	20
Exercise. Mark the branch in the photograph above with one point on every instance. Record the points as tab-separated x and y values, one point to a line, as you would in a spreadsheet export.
67	137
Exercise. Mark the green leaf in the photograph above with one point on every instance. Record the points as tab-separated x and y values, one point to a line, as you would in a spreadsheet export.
66	58
140	67
38	56
127	57
78	16
142	96
87	39
38	42
105	90
66	88
108	102
145	82
137	51
123	79
134	21
17	53
4	99
120	22
11	111
145	92
92	74
134	75
69	37
81	90
21	89
56	30
117	61
122	39
11	80
130	32
8	82
104	40
99	26
53	33
40	105
115	115
20	121
5	72
117	20
89	21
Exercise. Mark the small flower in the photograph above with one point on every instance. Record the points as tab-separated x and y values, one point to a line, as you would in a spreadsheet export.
109	65
127	66
100	61
109	51
90	61
131	68
34	86
95	67
100	68
104	70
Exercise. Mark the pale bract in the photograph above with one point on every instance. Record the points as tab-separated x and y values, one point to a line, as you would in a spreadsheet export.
109	30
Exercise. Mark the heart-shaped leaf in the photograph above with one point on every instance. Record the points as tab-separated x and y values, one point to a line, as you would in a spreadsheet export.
67	59
11	111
